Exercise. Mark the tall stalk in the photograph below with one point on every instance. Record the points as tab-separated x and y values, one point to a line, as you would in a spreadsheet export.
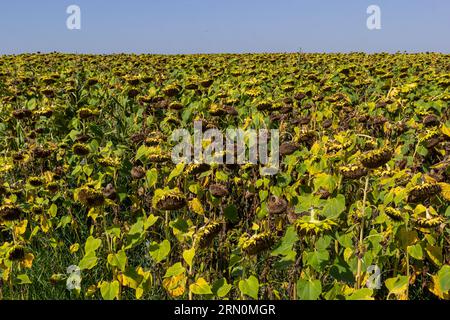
361	235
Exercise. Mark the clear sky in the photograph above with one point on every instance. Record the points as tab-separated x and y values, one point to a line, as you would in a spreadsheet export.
210	26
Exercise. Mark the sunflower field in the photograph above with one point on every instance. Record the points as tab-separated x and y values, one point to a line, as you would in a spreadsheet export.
92	206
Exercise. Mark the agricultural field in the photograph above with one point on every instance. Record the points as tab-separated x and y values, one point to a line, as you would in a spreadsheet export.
93	207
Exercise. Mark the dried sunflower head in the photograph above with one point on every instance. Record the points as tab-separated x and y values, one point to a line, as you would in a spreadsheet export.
353	171
276	205
168	199
429	222
207	233
376	158
10	213
157	155
310	226
90	197
218	190
80	149
35	181
86	113
197	168
394	214
109	162
423	192
17	253
258	243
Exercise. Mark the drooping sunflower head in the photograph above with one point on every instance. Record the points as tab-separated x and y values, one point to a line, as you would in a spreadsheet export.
257	243
109	162
157	155
429	222
168	199
16	254
308	226
10	212
376	158
86	113
423	192
89	196
35	181
393	213
276	205
196	168
353	171
80	149
171	90
206	234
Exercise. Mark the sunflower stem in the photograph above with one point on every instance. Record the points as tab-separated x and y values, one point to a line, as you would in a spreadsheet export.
361	236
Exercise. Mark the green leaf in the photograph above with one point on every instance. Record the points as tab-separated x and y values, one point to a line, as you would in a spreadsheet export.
53	210
250	287
287	242
109	290
151	220
188	256
23	279
317	259
416	251
444	278
88	262
334	207
174	270
141	152
397	285
308	289
221	288
92	244
160	251
361	294
176	172
118	259
200	287
151	177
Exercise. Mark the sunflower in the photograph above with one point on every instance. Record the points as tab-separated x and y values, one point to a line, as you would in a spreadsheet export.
276	205
206	234
80	149
197	168
429	222
10	213
308	225
394	214
90	197
423	192
35	181
17	254
257	243
376	158
353	171
218	190
86	113
168	199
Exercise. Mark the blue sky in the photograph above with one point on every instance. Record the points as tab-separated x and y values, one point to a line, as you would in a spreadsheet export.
210	26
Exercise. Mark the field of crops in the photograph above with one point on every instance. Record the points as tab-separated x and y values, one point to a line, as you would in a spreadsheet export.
93	207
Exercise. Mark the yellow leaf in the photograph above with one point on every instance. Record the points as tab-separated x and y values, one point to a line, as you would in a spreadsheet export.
445	190
445	130
45	224
176	285
27	262
435	288
196	206
74	248
21	227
